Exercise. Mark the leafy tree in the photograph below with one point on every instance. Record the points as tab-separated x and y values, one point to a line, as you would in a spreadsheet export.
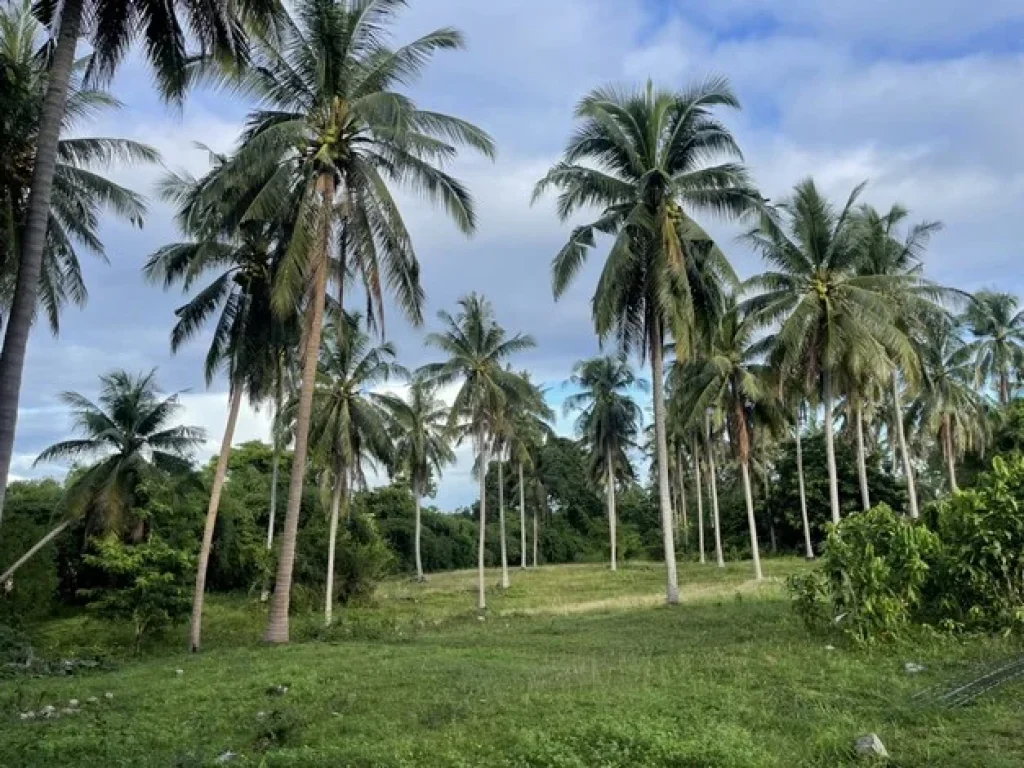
827	312
477	347
997	326
608	423
80	194
350	423
422	447
646	159
329	135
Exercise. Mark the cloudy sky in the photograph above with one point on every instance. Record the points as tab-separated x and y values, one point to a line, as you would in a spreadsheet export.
921	98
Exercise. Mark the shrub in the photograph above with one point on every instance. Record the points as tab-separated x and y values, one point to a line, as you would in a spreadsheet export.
873	575
150	584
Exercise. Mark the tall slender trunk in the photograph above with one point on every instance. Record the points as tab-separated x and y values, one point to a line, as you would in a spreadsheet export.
682	497
522	519
947	440
830	448
755	550
1004	388
534	538
661	435
274	471
501	522
277	626
713	483
862	464
418	534
700	502
219	475
481	585
808	549
54	532
26	289
908	468
337	497
610	494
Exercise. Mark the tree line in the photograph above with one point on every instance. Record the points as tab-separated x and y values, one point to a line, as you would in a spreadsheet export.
843	323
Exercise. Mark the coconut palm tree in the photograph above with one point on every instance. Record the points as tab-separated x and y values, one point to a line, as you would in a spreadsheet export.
997	328
110	27
609	421
129	434
249	338
732	378
477	349
888	252
826	311
648	160
81	193
422	446
947	406
350	422
328	137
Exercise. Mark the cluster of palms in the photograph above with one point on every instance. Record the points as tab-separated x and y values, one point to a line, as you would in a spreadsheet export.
843	321
280	232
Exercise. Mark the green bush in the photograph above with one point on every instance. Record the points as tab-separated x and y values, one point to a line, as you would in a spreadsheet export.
150	584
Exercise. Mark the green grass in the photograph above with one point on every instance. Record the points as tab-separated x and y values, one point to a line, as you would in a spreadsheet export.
574	666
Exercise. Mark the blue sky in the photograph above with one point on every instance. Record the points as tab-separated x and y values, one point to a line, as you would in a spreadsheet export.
921	98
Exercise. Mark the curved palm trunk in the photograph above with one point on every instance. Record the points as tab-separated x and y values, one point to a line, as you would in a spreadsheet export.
682	498
418	535
481	584
830	448
808	549
862	464
522	519
671	576
219	475
700	503
501	524
610	493
26	290
277	626
908	469
947	442
274	471
755	550
337	497
713	484
54	532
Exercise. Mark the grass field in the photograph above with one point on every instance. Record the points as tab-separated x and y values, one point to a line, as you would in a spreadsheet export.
574	666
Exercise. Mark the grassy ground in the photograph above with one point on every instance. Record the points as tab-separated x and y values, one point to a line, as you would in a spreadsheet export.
574	666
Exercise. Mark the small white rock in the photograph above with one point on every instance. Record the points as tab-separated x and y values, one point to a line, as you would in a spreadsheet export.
108	695
68	711
480	618
260	715
73	703
28	715
226	757
830	647
92	700
912	667
48	710
870	746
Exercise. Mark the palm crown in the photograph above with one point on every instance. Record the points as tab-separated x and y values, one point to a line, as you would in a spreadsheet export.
998	346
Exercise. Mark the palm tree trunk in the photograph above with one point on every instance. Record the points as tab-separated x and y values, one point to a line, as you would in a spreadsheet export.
1004	389
219	475
26	290
610	493
481	585
522	519
6	575
277	626
830	448
808	549
947	441
657	372
418	534
501	523
682	498
534	538
332	538
713	483
908	469
274	471
700	502
862	465
755	550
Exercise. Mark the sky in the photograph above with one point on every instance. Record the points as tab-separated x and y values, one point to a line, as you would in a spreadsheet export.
921	99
